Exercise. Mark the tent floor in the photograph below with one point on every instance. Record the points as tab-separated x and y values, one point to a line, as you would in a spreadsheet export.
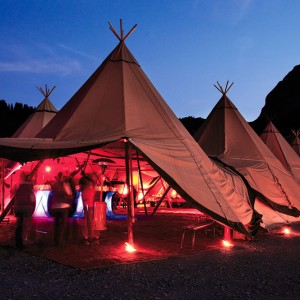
155	237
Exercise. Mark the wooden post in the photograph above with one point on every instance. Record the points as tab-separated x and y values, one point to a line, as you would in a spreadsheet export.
2	186
141	181
161	200
129	198
227	233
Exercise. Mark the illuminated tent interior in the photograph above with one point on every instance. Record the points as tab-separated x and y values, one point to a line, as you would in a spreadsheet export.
225	135
119	108
282	149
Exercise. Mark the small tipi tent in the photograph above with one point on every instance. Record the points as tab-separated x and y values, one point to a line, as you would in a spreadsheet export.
227	136
281	149
40	118
34	124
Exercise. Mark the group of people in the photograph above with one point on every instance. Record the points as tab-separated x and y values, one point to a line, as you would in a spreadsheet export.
62	197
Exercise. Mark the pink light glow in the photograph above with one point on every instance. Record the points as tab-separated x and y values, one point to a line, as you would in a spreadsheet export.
286	231
129	248
227	244
47	169
125	190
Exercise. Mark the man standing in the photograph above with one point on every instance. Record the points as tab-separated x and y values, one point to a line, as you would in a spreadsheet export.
60	204
87	188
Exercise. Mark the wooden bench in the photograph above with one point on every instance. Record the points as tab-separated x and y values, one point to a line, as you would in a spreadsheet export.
195	227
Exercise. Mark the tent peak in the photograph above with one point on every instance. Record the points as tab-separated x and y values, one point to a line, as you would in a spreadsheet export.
296	132
47	92
121	36
270	118
220	88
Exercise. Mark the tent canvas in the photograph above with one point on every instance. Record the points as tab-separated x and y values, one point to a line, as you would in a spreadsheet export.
226	135
118	104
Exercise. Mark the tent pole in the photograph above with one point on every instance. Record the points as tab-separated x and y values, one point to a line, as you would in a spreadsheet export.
87	159
2	186
129	198
161	200
141	181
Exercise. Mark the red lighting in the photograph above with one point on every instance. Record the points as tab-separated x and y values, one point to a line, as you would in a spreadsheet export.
129	248
227	244
286	231
125	190
47	169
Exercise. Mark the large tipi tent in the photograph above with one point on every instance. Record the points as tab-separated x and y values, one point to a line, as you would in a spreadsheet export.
118	105
227	136
282	149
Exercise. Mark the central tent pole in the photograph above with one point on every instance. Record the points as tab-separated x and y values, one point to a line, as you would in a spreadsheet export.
130	200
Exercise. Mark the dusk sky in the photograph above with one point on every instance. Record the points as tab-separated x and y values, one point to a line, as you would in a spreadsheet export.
184	47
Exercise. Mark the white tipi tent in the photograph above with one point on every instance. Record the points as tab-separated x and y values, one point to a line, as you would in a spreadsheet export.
282	149
227	136
119	107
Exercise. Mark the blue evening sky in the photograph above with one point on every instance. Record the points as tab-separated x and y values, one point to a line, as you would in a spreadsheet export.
184	47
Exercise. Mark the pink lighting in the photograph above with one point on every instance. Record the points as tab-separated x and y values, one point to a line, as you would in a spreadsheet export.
47	169
129	248
286	231
227	244
125	190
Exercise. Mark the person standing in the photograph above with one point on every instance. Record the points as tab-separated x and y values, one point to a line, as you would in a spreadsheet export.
24	207
87	188
60	205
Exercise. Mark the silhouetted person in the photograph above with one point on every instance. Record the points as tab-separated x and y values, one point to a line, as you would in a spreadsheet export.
60	204
24	207
87	188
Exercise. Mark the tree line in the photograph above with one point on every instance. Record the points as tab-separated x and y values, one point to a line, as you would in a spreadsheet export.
12	116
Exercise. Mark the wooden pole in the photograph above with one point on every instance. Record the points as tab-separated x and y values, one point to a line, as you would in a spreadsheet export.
129	198
2	186
141	181
161	200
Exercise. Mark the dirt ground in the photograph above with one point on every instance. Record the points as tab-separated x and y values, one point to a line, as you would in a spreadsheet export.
265	268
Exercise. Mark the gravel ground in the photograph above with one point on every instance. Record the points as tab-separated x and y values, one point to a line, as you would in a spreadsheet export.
262	269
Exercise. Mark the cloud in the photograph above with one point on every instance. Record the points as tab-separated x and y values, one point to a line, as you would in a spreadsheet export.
72	50
36	57
41	66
